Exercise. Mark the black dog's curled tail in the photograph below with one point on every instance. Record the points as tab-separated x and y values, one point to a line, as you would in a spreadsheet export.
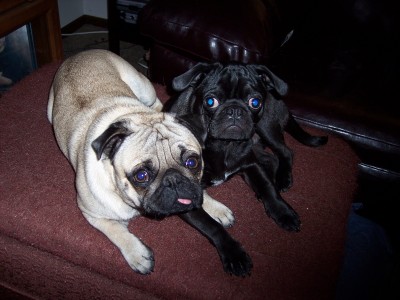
295	130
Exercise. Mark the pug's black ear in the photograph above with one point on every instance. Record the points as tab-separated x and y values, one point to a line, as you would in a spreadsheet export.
110	140
272	81
192	76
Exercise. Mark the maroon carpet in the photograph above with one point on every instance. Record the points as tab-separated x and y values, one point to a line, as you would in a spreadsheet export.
48	249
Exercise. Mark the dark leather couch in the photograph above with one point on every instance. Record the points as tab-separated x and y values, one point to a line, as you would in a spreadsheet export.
340	63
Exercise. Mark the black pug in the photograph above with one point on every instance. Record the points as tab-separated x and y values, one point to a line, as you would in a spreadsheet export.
235	112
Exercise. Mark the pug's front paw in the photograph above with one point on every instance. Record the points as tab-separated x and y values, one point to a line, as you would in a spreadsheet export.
235	260
284	180
219	212
140	258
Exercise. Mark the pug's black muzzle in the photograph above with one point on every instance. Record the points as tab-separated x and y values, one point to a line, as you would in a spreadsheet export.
176	194
231	121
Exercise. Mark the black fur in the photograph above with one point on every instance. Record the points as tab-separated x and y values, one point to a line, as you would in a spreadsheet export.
234	259
221	105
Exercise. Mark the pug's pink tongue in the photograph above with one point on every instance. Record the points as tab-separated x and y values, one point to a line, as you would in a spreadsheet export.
184	201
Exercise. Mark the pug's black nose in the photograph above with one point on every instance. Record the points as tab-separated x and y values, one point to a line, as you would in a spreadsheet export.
173	178
234	112
169	181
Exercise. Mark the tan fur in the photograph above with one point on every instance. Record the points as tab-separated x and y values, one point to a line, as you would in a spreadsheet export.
90	91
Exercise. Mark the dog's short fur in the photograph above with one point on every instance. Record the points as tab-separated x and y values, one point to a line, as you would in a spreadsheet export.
235	112
130	158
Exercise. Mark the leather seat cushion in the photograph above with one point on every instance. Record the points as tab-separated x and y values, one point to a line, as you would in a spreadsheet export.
211	30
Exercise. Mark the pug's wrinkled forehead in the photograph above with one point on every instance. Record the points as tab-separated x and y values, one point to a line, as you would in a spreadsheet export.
165	144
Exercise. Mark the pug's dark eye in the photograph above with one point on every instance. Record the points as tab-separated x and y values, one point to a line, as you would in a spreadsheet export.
141	176
192	163
255	103
212	102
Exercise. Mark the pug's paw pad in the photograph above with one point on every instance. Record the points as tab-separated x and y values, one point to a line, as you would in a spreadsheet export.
220	213
287	219
140	259
284	181
235	260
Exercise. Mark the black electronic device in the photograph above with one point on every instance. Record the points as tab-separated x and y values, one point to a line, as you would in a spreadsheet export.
129	10
122	22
